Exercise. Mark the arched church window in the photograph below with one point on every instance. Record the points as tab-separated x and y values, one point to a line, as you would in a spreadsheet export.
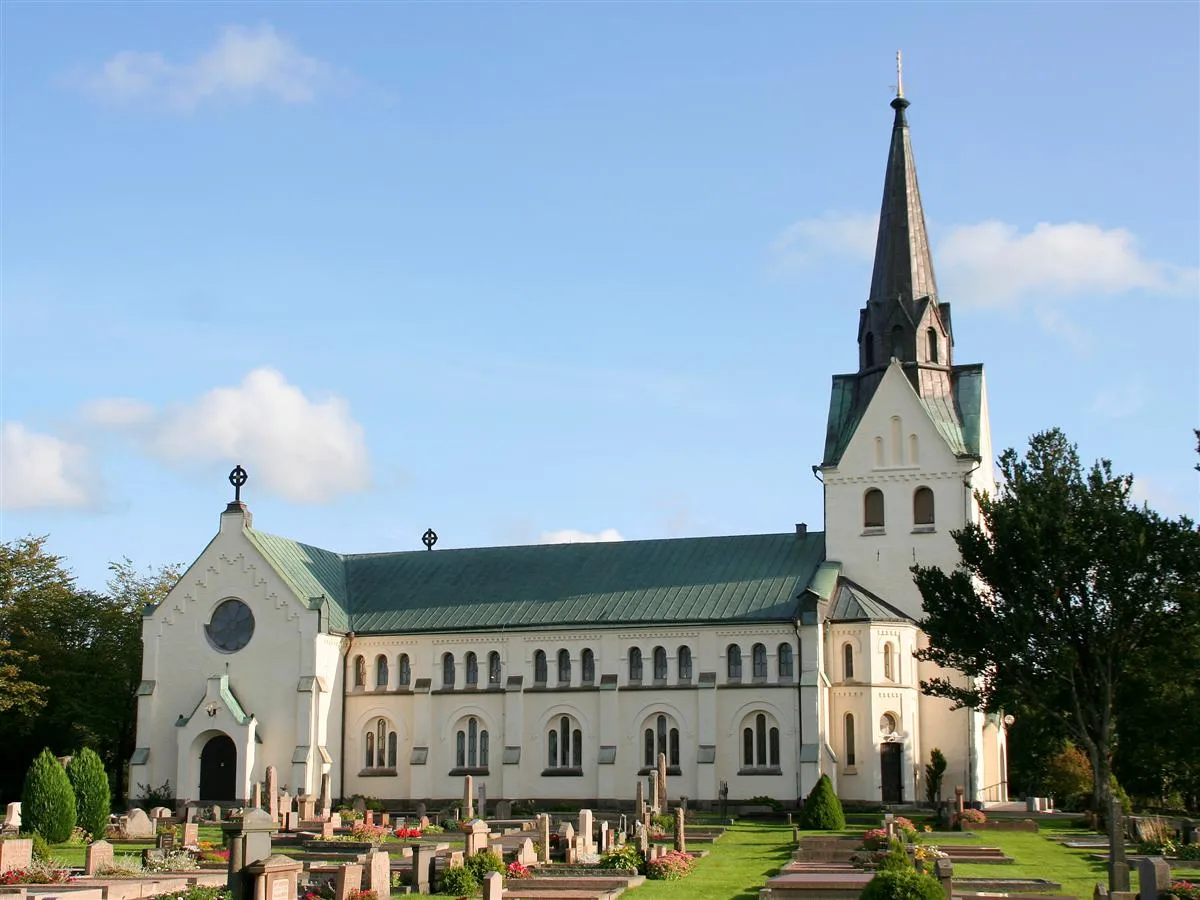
381	742
898	342
660	663
758	658
889	667
472	670
931	342
760	742
785	661
564	744
360	671
873	508
869	350
370	760
685	663
539	667
379	745
381	672
660	735
391	754
847	661
635	664
471	744
405	670
733	662
587	664
914	450
848	737
448	670
493	668
564	667
923	506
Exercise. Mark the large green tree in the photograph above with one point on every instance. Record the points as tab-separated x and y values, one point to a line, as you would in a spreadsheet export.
1063	586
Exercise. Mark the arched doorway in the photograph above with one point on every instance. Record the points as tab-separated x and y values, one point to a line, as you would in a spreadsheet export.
218	769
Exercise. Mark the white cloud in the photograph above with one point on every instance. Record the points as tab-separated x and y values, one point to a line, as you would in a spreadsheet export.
117	412
994	264
39	470
572	536
244	63
304	450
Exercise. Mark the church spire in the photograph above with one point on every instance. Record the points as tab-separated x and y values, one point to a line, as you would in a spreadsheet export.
903	265
903	318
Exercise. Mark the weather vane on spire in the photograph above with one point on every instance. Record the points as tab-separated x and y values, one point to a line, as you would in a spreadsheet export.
899	75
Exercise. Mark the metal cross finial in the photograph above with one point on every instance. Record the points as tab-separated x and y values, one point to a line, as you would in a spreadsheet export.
429	538
899	75
237	478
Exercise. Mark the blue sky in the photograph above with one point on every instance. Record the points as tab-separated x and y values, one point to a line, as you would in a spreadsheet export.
526	272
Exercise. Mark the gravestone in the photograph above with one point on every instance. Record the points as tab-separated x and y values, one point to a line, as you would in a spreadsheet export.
138	824
481	812
680	833
160	812
165	840
468	804
639	800
543	836
653	800
336	819
566	834
1154	877
661	800
360	805
191	833
585	829
503	809
493	886
16	853
423	821
326	829
959	794
306	807
605	834
1118	868
99	855
12	817
943	871
526	855
422	863
379	873
421	810
326	795
385	819
477	834
643	839
273	878
369	818
272	789
216	813
256	796
348	878
249	841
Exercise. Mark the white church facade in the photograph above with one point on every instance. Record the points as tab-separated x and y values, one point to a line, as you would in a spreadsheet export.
753	662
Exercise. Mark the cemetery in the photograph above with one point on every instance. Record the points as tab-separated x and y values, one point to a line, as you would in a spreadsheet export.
285	847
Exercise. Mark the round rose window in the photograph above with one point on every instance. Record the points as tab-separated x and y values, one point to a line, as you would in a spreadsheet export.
231	627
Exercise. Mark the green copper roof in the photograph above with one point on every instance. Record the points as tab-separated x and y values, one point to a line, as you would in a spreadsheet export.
956	418
743	578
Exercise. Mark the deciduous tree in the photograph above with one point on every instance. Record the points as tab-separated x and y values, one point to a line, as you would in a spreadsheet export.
1062	586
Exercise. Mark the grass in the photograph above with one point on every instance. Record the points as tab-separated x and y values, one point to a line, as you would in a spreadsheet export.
74	854
735	868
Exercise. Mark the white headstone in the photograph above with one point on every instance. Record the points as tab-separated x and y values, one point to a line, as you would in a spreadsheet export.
138	824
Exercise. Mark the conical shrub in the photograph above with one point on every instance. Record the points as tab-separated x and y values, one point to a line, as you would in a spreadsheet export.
48	802
93	799
823	809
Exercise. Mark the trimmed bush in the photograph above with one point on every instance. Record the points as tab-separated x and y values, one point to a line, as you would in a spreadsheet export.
822	809
902	884
93	800
458	881
48	802
482	862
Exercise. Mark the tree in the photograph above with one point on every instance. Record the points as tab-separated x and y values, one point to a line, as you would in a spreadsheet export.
935	771
822	808
1061	587
18	694
1069	776
93	799
47	802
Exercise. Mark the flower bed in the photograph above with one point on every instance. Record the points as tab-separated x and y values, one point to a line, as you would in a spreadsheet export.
671	867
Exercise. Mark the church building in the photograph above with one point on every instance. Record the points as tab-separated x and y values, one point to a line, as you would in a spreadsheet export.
755	663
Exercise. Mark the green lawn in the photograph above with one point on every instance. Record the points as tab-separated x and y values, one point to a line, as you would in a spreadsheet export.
738	864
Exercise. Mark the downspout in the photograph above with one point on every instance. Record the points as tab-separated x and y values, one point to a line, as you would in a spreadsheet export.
342	753
800	704
972	750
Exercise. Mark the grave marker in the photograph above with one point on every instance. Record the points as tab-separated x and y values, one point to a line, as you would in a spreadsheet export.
272	789
1154	877
99	855
468	804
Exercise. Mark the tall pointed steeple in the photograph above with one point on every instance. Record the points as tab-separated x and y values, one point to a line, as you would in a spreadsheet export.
903	317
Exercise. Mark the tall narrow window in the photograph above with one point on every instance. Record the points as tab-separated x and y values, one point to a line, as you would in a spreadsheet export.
673	748
785	661
405	670
931	344
758	656
472	670
577	749
448	670
381	742
848	738
648	748
587	664
564	730
483	748
564	667
472	741
889	666
539	667
661	737
460	749
760	737
685	663
660	664
847	662
552	749
493	669
370	760
873	508
923	506
760	744
381	673
733	662
660	728
774	743
635	664
747	747
391	755
360	672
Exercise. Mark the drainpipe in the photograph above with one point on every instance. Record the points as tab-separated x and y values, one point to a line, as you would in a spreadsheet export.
342	753
972	750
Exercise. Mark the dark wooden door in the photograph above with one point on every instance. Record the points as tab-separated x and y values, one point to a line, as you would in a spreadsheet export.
218	769
890	758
